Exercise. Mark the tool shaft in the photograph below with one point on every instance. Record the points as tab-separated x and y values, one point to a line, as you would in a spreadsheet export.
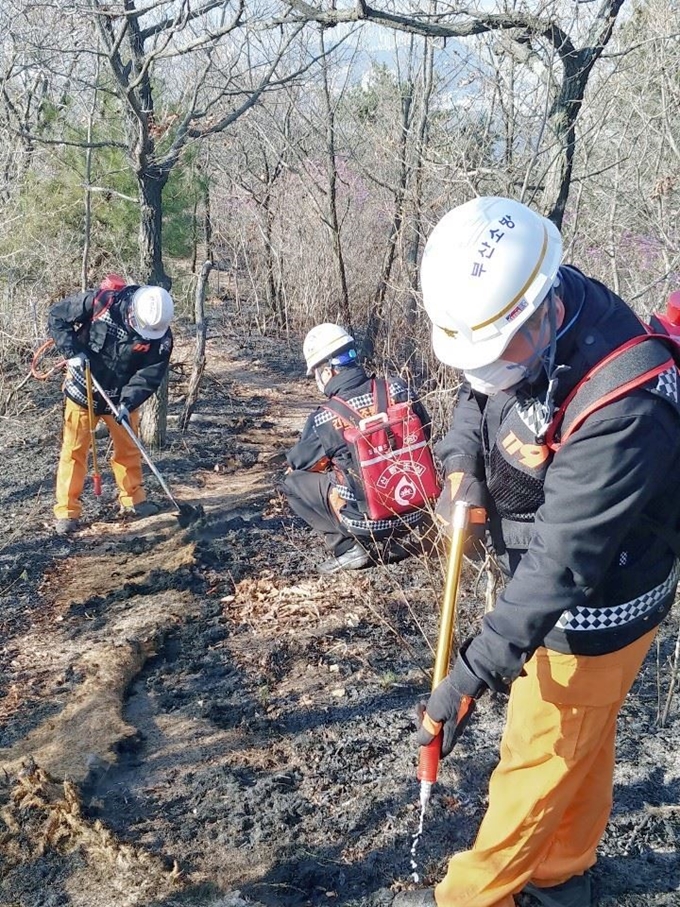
138	444
96	478
454	565
430	755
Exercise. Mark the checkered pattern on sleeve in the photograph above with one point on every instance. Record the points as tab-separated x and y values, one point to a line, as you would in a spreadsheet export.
584	619
667	385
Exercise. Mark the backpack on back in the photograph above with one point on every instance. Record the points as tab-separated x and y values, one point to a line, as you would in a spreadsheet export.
394	472
629	366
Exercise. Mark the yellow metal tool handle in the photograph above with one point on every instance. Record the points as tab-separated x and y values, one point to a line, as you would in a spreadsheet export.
96	478
461	520
428	764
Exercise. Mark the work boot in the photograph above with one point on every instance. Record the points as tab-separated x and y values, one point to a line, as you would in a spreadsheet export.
355	558
65	526
137	511
575	892
417	897
395	552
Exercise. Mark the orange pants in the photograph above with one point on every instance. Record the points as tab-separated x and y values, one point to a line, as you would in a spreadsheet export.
126	461
551	794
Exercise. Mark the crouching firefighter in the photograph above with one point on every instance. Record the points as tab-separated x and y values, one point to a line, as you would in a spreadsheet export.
580	482
324	483
124	333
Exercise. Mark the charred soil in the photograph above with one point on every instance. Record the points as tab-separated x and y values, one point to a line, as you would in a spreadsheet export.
193	716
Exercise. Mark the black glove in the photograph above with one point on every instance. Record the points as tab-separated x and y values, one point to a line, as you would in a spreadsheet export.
123	414
459	486
450	705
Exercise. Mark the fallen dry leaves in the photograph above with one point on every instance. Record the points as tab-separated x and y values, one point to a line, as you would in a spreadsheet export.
269	599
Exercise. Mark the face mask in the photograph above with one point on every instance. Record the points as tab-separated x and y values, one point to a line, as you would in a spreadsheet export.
131	320
496	377
317	377
533	364
502	374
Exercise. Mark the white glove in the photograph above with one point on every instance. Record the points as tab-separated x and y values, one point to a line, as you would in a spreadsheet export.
77	361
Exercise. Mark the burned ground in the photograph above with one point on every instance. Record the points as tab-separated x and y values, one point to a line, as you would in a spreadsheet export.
195	717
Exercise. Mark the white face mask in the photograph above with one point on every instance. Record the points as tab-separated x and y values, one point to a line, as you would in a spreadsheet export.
498	376
319	382
503	374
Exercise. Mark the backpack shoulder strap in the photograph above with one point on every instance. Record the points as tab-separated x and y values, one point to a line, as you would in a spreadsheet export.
381	398
381	402
629	366
103	301
343	409
381	394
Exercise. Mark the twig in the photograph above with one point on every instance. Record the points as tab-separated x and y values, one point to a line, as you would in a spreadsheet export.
20	529
210	377
15	391
199	354
383	620
649	811
673	682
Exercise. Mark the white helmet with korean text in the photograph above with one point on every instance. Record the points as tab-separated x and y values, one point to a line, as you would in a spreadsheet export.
487	266
323	342
151	311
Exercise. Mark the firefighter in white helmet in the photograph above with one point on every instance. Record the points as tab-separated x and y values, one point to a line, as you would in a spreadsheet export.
325	342
124	332
580	486
320	484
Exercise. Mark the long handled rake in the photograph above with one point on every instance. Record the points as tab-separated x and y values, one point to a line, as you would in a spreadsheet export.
96	475
186	513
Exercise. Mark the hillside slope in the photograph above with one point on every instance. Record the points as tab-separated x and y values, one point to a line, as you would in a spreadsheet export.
196	717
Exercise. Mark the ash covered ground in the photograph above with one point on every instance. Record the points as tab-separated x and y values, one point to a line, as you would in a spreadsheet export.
195	717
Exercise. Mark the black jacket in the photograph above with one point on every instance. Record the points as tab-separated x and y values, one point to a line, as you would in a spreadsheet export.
322	446
578	530
130	368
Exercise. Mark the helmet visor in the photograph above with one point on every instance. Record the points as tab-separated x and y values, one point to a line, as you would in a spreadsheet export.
456	351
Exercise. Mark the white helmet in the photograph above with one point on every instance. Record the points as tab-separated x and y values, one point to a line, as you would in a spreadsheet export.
151	311
323	342
487	267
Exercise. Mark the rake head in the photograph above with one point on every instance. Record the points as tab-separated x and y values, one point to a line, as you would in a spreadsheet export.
188	514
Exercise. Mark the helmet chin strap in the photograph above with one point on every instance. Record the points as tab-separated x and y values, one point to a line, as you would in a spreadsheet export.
545	410
131	320
542	355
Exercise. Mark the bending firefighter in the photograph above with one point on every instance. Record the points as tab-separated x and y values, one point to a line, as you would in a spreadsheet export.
582	492
125	335
322	484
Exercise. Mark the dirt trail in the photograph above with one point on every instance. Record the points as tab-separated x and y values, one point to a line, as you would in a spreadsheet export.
101	613
106	611
194	717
